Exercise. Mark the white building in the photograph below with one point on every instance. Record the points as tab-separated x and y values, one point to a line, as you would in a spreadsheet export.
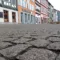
8	11
55	16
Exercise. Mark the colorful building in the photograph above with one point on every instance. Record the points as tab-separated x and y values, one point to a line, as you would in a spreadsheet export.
8	11
44	11
50	12
26	11
55	15
37	11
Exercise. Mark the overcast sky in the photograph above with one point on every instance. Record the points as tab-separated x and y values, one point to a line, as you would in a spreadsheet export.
55	3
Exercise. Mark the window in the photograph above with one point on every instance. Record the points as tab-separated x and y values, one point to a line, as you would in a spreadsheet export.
20	2
0	1
28	16
22	17
33	0
31	7
7	0
37	7
31	18
23	3
1	14
11	3
25	17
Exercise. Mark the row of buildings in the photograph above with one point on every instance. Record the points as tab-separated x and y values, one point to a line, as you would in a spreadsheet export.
53	14
26	11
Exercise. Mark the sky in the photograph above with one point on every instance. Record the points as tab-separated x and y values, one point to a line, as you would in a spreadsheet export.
55	3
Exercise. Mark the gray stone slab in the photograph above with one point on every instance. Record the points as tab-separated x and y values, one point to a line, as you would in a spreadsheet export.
4	44
8	39
22	40
46	36
54	46
58	58
14	50
39	43
34	34
37	54
54	39
1	58
27	36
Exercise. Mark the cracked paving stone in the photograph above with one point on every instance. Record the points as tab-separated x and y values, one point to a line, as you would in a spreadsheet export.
34	34
27	36
34	38
45	36
58	58
39	43
22	40
54	32
17	36
4	45
54	46
56	35
54	39
14	50
1	58
8	39
37	54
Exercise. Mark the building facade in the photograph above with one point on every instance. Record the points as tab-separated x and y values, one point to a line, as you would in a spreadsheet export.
58	16
55	15
8	11
44	11
50	12
37	11
26	11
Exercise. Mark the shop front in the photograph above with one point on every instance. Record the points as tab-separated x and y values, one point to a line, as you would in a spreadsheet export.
8	15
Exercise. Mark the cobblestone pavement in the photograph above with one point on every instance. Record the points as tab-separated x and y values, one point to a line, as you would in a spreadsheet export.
29	42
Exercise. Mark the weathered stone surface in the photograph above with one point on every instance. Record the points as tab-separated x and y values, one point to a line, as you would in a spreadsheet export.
8	39
22	40
14	50
45	36
58	58
34	37
4	44
39	43
34	34
27	36
54	39
54	46
37	54
29	42
56	35
1	58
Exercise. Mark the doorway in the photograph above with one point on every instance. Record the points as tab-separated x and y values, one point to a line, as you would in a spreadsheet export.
13	17
6	19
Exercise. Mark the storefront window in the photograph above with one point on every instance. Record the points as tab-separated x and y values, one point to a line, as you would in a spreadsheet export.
1	14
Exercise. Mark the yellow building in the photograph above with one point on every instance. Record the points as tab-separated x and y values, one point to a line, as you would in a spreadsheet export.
26	11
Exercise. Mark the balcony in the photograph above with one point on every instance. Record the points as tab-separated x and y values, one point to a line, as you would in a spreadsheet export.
37	2
38	11
38	8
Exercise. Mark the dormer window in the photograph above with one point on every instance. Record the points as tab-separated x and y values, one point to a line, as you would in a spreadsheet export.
0	1
10	3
